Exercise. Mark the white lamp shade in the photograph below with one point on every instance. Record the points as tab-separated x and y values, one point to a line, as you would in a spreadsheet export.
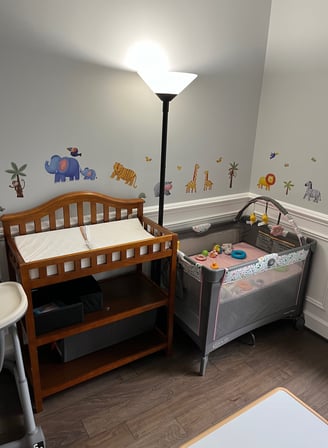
167	82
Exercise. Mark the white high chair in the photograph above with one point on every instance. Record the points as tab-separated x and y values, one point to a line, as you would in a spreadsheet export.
13	305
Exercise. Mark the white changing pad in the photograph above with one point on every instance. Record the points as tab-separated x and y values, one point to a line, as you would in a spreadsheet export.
39	246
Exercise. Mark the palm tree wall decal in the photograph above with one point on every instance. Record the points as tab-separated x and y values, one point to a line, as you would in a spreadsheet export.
16	182
232	172
288	185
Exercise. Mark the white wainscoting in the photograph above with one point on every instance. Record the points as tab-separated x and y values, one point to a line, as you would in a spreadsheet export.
186	214
315	225
310	224
225	208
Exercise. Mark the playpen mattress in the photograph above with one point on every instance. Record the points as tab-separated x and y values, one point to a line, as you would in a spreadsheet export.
226	261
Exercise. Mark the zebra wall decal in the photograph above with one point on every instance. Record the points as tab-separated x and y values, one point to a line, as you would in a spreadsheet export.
311	193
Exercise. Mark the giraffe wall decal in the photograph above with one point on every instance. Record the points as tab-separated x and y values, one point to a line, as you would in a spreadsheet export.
191	186
208	184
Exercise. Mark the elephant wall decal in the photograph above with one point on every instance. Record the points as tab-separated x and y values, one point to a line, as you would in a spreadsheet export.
63	167
88	173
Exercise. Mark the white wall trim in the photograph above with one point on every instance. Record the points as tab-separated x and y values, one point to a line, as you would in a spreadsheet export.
316	303
316	324
313	224
188	213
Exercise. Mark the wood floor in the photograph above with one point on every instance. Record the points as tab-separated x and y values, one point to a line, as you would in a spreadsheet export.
161	402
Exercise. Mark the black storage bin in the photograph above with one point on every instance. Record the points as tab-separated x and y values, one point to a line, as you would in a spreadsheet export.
54	315
85	290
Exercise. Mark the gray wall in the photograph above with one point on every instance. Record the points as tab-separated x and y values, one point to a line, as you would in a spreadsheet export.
293	122
51	100
293	110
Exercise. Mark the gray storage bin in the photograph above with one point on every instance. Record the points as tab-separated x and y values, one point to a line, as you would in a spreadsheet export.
90	341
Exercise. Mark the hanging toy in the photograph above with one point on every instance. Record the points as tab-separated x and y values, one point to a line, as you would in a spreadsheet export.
264	217
252	219
264	220
278	230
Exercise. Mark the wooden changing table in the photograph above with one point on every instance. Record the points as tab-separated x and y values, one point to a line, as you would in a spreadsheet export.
126	295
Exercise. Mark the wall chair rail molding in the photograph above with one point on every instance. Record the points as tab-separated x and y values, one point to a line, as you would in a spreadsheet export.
314	224
181	215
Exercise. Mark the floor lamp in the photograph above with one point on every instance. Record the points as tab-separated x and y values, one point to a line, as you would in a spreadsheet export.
166	85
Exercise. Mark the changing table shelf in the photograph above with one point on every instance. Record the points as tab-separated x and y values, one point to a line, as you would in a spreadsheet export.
66	375
123	296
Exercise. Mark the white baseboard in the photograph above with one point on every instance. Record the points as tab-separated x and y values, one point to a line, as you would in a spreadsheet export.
316	324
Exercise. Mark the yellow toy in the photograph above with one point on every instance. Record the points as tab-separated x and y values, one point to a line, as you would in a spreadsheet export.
252	218
265	218
213	254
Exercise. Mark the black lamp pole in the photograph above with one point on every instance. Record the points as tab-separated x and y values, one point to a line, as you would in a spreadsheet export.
166	98
169	82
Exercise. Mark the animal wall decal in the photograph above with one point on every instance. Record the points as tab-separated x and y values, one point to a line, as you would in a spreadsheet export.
88	173
208	184
266	181
126	174
63	167
191	186
68	167
74	151
311	193
17	183
167	188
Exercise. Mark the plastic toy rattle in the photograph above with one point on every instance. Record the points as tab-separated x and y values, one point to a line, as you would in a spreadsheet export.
238	254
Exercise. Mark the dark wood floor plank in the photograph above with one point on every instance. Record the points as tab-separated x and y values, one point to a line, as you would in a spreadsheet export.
116	437
160	401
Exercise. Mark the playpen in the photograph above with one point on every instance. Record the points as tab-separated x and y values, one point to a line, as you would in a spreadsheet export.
236	276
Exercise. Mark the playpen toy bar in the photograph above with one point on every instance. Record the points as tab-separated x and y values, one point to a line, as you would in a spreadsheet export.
281	209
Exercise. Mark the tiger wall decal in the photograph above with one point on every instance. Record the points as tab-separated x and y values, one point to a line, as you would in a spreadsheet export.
126	174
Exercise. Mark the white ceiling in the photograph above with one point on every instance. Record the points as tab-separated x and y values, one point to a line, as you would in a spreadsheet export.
202	36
